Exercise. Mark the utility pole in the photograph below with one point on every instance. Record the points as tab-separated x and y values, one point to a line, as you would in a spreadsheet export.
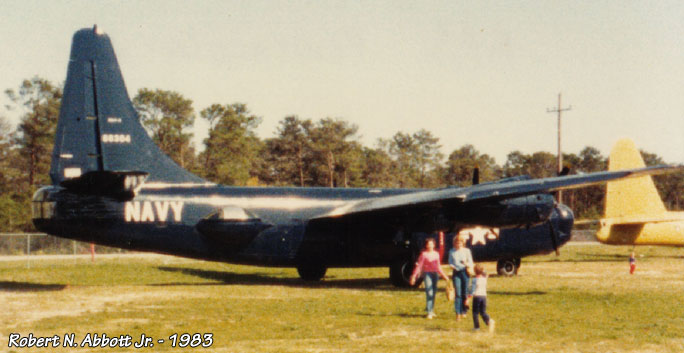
559	110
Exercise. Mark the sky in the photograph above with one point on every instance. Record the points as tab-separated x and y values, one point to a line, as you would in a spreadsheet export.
471	72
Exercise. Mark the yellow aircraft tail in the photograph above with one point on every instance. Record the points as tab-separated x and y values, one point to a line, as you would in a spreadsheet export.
635	213
634	196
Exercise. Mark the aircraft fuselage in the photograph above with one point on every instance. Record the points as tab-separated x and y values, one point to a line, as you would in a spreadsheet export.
281	226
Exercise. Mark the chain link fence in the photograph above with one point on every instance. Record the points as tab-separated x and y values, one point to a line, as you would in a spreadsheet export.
44	244
583	235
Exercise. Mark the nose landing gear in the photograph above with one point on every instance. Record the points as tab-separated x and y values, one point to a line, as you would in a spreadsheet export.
508	267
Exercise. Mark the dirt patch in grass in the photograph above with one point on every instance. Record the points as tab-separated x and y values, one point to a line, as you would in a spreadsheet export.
26	308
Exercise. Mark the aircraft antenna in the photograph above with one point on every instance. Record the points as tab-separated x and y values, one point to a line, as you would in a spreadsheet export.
559	110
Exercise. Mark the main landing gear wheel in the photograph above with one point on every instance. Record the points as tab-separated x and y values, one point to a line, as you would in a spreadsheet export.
400	273
507	267
311	271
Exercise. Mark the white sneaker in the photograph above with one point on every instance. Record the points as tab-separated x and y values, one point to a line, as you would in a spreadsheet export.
491	325
430	316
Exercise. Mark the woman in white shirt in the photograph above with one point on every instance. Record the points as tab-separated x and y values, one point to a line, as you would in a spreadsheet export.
460	259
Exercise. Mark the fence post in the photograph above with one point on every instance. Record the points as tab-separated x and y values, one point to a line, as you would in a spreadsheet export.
28	250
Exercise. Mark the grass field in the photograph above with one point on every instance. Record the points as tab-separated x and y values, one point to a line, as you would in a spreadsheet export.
582	301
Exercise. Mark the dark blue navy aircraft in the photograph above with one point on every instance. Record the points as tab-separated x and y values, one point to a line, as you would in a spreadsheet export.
112	185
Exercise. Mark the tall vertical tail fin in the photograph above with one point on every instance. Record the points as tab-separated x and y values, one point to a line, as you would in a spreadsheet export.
99	132
633	196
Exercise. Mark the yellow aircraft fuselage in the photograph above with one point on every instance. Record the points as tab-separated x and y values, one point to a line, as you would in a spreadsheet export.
653	232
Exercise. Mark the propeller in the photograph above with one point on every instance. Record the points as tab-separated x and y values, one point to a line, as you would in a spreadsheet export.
476	175
554	237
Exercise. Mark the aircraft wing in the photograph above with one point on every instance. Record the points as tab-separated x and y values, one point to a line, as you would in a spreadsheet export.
492	191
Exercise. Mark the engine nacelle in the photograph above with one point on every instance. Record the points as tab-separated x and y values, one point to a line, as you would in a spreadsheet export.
526	210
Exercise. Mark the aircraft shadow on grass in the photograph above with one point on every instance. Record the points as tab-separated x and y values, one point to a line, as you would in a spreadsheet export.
390	314
534	292
13	286
230	278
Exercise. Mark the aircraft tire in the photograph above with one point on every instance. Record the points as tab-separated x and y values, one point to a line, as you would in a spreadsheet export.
400	273
507	267
311	271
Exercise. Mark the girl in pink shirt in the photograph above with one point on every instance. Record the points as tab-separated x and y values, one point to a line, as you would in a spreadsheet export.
429	263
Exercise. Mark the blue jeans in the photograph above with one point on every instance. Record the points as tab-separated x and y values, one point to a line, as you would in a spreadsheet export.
431	279
461	284
480	308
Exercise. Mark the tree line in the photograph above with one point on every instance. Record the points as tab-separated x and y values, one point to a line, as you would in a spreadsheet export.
303	153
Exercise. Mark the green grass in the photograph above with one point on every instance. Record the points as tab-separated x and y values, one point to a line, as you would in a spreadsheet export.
582	301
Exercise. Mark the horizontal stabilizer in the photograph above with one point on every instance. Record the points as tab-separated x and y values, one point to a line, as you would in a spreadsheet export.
119	185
